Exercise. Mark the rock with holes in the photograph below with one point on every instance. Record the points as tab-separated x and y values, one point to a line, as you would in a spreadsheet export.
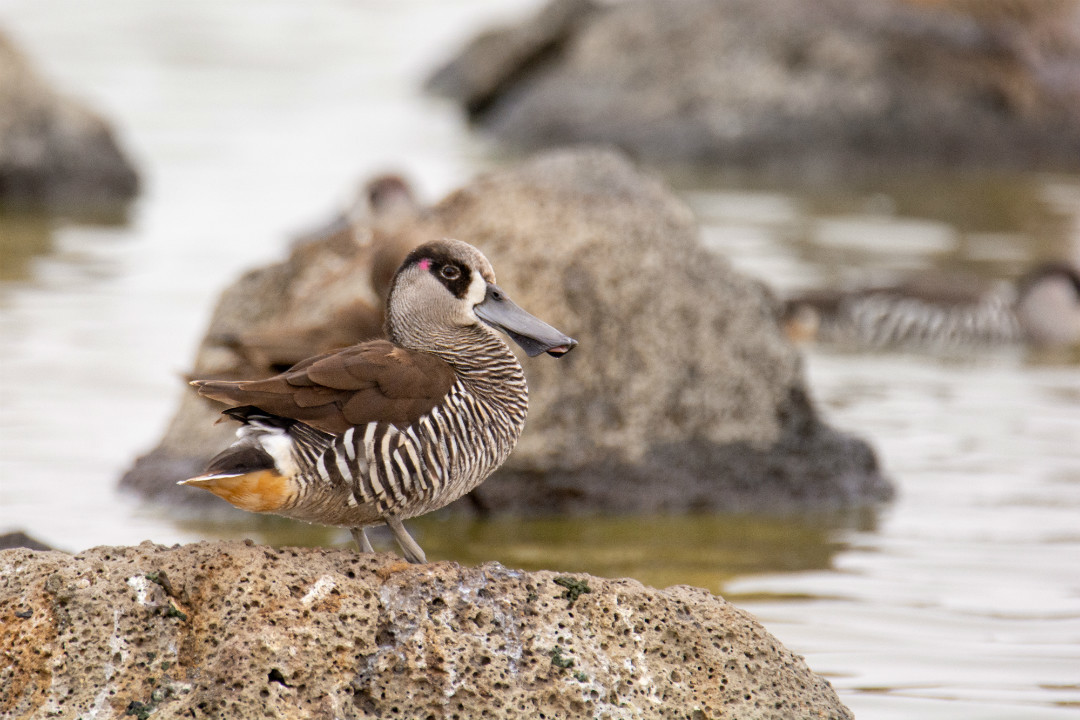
243	631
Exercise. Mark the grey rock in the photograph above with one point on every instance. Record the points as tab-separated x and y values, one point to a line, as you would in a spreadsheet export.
683	394
243	631
499	57
52	148
788	85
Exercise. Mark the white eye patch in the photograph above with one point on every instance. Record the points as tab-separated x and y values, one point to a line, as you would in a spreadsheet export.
477	290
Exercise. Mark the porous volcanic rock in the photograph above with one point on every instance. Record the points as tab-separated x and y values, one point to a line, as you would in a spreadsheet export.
239	631
52	148
683	394
786	85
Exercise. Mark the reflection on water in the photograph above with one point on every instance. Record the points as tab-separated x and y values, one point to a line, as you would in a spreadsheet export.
702	550
706	551
23	236
26	233
968	590
798	236
959	600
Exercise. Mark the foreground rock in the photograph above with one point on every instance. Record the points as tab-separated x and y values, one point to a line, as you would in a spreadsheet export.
241	631
786	85
684	393
52	148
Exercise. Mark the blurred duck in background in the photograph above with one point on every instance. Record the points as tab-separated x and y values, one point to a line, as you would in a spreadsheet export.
372	236
1042	310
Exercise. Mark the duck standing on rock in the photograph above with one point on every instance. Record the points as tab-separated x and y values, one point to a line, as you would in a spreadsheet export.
389	429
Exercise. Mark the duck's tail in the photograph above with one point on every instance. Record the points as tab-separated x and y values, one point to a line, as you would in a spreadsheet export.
255	473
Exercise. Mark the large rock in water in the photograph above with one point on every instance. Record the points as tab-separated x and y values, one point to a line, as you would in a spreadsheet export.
52	148
683	394
787	84
238	631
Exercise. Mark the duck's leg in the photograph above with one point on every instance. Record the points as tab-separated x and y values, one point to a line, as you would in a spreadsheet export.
359	534
412	551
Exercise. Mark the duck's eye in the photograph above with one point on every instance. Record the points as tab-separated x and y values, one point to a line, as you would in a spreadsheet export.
450	272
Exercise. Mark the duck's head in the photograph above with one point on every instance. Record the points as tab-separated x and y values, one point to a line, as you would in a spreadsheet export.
1048	305
446	289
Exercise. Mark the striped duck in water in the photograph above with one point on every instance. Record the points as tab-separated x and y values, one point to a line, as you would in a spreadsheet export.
390	429
1042	311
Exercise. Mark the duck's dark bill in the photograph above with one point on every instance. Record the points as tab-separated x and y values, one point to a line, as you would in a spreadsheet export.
533	335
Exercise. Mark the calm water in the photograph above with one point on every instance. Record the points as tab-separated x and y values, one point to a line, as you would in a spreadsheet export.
252	120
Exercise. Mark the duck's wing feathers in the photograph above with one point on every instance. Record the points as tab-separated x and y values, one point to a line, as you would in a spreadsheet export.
375	381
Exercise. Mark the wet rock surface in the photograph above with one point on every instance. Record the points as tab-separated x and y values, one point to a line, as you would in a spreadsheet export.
786	86
242	631
683	394
52	148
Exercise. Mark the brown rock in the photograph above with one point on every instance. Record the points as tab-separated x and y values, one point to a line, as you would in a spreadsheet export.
243	631
684	393
52	148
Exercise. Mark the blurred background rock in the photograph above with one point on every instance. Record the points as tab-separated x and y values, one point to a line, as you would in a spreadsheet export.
787	86
687	396
54	149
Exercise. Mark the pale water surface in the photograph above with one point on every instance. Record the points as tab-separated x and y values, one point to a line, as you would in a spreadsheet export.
252	120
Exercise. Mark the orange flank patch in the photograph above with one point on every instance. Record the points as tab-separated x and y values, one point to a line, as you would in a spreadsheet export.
261	491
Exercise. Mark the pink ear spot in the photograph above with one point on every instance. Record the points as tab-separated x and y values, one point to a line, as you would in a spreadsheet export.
424	264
